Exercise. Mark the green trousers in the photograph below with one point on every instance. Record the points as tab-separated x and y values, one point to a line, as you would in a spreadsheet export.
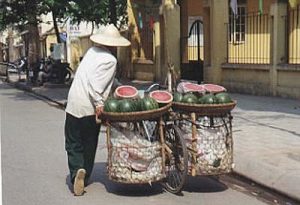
81	139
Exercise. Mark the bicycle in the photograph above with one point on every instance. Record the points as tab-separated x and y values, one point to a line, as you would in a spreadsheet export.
154	126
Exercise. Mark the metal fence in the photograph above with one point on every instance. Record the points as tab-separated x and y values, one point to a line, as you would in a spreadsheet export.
293	35
249	39
145	48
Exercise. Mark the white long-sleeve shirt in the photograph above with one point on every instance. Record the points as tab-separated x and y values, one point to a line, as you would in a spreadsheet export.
92	82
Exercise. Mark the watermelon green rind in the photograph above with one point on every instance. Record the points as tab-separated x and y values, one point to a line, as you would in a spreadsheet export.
223	97
148	103
161	96
177	97
209	99
189	98
111	105
126	105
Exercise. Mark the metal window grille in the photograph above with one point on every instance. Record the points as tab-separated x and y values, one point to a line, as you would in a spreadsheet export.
249	38
146	34
237	25
293	37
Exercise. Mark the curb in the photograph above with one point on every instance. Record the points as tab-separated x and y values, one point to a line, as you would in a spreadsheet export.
280	181
29	89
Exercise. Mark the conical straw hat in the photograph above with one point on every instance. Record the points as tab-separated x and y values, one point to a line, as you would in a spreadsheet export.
110	36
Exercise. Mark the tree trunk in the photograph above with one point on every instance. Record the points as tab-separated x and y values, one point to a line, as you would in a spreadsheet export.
55	25
10	56
34	37
113	12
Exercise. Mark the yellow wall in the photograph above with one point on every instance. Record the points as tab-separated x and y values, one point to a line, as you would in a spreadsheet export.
256	47
294	36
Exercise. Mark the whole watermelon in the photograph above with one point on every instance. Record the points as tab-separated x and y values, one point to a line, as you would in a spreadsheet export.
126	105
209	99
177	97
223	98
148	103
190	98
137	104
111	105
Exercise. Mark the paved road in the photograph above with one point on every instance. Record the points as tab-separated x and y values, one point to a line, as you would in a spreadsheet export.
34	165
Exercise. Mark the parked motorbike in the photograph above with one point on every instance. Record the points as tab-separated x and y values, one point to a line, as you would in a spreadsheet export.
54	72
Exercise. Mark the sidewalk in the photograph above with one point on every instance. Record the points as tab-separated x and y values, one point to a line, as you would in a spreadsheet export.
266	135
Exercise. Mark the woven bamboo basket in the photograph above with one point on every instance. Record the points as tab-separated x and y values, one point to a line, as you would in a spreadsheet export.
135	116
210	147
124	172
205	109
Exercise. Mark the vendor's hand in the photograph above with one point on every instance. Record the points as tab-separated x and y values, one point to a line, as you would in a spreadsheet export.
99	110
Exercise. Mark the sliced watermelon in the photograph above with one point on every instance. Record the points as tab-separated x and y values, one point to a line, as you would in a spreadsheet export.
185	87
126	91
213	88
161	96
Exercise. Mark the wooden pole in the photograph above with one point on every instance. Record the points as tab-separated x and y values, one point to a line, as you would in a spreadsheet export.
163	145
194	143
108	144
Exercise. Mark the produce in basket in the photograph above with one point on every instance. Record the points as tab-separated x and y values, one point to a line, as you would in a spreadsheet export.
208	99
190	98
186	87
111	105
126	91
213	88
177	97
148	103
126	105
223	98
161	96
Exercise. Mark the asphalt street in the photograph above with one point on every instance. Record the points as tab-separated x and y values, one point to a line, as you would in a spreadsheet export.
34	164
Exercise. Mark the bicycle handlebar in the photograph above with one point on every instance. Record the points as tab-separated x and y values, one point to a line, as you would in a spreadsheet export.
155	85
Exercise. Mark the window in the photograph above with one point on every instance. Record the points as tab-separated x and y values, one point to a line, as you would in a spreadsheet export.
237	23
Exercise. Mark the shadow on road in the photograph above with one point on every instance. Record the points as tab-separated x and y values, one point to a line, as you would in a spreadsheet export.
204	184
100	176
198	184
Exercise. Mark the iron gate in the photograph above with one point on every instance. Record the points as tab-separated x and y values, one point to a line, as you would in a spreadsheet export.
192	53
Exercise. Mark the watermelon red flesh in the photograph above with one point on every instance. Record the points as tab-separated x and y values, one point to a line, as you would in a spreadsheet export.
161	96
212	88
126	91
186	87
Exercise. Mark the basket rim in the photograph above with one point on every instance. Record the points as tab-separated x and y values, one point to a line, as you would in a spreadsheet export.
205	109
137	114
233	103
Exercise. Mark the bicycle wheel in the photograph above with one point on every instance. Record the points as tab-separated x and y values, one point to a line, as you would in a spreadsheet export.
177	161
68	74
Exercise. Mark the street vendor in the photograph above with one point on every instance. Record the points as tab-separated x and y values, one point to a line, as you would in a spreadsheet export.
90	88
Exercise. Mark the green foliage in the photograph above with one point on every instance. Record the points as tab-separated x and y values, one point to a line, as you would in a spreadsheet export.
99	12
19	13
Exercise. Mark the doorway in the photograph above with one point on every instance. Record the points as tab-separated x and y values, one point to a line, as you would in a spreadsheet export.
192	52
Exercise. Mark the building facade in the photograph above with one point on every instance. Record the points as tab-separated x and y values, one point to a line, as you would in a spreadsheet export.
254	50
